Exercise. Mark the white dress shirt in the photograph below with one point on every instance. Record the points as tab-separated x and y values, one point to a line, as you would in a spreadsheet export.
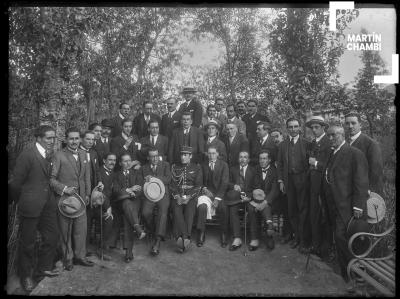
354	138
41	150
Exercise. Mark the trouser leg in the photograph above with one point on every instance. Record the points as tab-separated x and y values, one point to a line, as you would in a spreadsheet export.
27	238
89	216
112	237
131	210
162	217
252	214
223	216
343	253
189	212
147	213
66	226
302	204
128	234
179	220
79	233
267	213
293	211
235	222
201	217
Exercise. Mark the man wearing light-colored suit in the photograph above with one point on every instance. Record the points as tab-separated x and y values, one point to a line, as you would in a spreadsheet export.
70	174
234	143
232	118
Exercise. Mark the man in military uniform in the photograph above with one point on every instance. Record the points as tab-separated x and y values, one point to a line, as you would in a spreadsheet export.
185	187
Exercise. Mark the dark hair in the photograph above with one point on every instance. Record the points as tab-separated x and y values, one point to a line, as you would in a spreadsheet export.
93	125
231	105
218	99
125	120
292	119
214	147
250	101
247	152
109	154
126	154
147	102
210	106
41	130
187	113
276	130
83	135
265	125
353	114
72	129
152	121
265	151
123	103
240	102
152	149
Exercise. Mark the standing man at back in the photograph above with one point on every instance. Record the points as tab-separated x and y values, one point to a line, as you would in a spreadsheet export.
192	105
141	122
220	116
102	146
292	178
232	117
124	112
370	149
37	209
252	119
171	120
235	143
263	142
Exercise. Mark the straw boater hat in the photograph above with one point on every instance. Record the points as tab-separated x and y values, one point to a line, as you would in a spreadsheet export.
376	208
71	206
189	89
212	123
316	119
154	189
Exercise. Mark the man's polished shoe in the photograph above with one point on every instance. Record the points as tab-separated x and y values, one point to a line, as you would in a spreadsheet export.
186	244
201	237
155	249
28	284
128	257
68	265
270	243
224	242
83	262
179	243
233	247
253	246
293	244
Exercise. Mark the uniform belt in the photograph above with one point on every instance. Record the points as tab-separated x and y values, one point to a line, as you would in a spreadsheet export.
187	187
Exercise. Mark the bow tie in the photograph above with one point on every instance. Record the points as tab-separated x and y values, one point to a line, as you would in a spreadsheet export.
264	170
126	172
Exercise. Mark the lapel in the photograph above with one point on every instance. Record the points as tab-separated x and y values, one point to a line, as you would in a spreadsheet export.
338	156
235	140
42	161
82	159
72	160
247	175
217	170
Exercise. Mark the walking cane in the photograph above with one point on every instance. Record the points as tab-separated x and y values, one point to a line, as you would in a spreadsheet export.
245	230
101	232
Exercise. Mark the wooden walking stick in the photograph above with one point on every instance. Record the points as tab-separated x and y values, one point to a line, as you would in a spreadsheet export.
245	230
101	232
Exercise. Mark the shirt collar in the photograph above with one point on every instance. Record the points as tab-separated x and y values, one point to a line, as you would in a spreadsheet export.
232	119
211	139
265	138
41	150
244	167
74	152
83	148
124	136
354	137
107	169
172	113
121	116
295	138
104	139
340	146
188	102
266	168
320	137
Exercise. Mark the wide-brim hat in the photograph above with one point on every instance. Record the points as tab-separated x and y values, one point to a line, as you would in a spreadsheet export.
361	243
189	89
71	206
316	119
154	189
107	123
212	123
186	149
376	208
232	197
258	195
97	198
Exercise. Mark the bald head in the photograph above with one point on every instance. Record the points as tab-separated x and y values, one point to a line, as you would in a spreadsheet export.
336	135
232	129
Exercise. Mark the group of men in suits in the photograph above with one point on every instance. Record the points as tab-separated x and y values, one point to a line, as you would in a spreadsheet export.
220	165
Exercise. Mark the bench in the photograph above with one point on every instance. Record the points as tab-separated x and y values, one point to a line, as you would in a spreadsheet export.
378	272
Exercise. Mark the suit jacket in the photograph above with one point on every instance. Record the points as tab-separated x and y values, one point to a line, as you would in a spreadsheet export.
373	154
140	127
102	149
250	181
163	173
121	182
239	143
283	160
117	147
222	118
107	178
168	125
161	145
256	147
240	125
220	147
94	168
196	141
66	173
252	122
117	126
269	184
30	182
348	185
196	109
320	151
219	178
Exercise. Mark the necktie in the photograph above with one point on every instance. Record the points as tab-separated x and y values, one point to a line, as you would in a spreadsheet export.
153	168
209	140
153	141
241	177
292	141
212	166
261	141
170	115
126	172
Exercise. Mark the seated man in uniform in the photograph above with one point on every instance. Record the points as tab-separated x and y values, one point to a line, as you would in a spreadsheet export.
128	188
161	170
187	180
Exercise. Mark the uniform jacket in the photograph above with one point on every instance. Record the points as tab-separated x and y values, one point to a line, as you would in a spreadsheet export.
220	147
256	147
140	127
239	143
161	145
282	161
373	154
219	178
168	125
270	184
196	109
30	183
252	122
348	185
163	173
196	141
65	172
194	177
250	181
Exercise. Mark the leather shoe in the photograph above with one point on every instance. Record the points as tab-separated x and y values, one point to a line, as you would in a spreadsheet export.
68	265
234	247
155	249
128	257
201	237
28	284
179	243
270	243
186	244
253	248
293	244
83	262
224	242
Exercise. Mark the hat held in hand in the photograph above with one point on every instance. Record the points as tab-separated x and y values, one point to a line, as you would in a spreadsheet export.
71	206
97	198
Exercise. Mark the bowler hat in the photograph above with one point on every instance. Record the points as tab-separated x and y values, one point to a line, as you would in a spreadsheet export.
376	208
189	90
316	119
107	123
361	243
186	149
214	123
258	195
71	206
154	189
